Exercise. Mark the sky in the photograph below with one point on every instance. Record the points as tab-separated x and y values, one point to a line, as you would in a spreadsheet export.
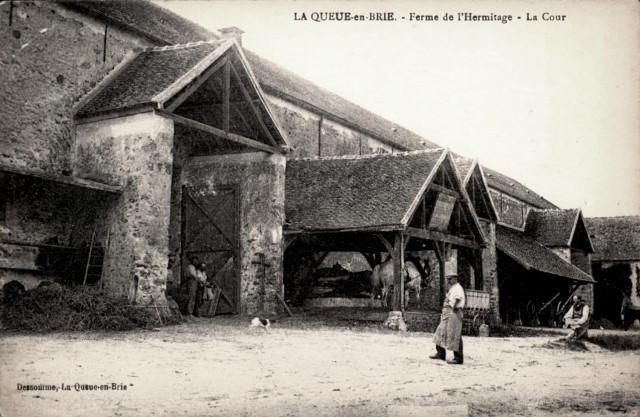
554	104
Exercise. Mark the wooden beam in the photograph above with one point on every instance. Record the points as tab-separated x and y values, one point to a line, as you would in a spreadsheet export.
447	178
483	198
472	194
441	237
316	262
178	100
477	254
226	94
288	241
406	242
444	190
466	221
386	243
138	109
249	101
324	241
242	118
219	133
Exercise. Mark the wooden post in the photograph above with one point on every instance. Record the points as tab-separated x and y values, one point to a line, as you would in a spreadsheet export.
440	254
398	267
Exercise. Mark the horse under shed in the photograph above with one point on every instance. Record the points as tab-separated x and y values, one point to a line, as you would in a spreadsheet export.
409	202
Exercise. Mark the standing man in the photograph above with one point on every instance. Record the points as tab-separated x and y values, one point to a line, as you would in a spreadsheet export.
577	319
193	280
449	332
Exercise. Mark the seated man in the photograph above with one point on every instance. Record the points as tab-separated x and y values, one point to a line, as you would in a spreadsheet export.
577	319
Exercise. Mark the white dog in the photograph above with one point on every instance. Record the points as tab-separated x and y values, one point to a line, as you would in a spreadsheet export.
258	322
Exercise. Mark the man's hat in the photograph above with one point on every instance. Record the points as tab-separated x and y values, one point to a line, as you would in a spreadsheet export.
452	275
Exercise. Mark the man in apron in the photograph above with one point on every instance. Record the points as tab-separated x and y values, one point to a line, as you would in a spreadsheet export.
449	332
577	319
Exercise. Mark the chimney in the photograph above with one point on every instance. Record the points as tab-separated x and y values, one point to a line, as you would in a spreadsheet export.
232	32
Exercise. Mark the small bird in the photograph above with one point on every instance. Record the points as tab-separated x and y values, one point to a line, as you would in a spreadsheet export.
258	322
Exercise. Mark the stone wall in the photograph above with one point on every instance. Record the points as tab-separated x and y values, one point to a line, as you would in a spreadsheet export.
260	178
49	59
489	267
562	253
337	140
511	211
135	152
313	135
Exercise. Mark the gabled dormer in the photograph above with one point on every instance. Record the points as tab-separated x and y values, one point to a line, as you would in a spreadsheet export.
475	184
559	228
207	88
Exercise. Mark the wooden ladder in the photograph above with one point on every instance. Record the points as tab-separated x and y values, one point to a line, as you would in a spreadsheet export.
95	258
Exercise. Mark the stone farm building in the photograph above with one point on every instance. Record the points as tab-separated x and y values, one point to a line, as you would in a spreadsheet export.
616	267
132	133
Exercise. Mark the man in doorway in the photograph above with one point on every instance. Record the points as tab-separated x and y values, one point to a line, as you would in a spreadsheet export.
194	280
449	332
577	319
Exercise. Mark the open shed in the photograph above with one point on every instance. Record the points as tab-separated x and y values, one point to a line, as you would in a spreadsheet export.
535	282
375	204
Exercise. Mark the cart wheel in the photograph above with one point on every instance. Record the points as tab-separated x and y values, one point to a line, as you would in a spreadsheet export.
477	321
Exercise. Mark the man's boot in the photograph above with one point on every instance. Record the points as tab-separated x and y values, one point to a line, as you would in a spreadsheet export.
441	353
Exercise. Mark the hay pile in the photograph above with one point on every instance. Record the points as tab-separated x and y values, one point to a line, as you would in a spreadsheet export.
57	308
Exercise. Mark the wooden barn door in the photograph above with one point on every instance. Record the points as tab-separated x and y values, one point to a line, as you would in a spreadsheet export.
211	232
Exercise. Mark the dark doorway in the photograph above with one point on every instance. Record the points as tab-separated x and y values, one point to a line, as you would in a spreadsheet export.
210	231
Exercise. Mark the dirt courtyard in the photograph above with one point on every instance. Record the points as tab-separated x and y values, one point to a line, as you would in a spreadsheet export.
222	367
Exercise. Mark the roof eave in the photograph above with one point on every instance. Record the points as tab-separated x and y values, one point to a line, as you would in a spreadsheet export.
494	211
418	197
369	228
115	113
68	180
197	70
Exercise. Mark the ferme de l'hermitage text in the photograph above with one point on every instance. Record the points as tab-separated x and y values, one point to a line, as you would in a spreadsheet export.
417	17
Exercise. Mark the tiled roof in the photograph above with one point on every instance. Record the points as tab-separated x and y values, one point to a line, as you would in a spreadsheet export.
533	255
464	165
551	227
355	192
168	28
148	74
512	187
615	238
154	22
281	82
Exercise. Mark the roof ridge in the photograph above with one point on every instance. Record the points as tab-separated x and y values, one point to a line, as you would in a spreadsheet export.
615	217
181	46
367	156
555	209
